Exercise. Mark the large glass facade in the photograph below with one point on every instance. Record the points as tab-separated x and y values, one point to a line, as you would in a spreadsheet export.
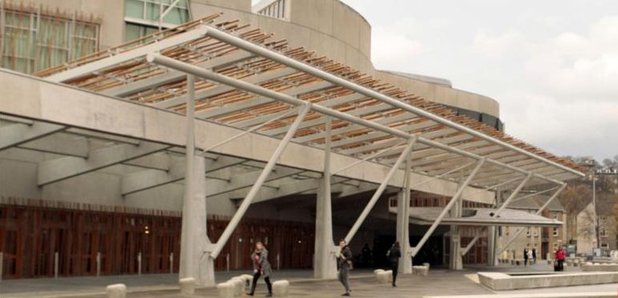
143	17
31	41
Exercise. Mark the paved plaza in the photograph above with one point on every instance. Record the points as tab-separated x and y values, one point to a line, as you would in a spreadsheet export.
440	282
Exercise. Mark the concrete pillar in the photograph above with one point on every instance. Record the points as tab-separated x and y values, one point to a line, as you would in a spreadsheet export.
491	246
195	261
403	231
492	235
456	259
325	264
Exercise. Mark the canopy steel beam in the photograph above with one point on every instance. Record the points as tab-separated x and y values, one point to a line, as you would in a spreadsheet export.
209	75
17	134
218	90
246	132
374	199
329	103
55	170
352	127
535	194
267	53
372	156
173	76
241	181
538	212
448	207
229	229
500	209
148	179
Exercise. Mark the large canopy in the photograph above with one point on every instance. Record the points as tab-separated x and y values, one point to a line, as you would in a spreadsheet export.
247	79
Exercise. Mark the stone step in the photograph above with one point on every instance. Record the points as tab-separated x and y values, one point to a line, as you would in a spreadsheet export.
540	295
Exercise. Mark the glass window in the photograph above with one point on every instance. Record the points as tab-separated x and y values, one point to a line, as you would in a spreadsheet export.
33	41
142	16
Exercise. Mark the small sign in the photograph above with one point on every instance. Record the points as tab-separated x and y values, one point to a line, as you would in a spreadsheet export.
607	171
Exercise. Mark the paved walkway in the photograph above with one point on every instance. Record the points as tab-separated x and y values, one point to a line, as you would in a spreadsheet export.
439	283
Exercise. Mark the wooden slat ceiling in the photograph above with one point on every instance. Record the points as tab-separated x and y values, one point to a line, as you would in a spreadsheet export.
238	108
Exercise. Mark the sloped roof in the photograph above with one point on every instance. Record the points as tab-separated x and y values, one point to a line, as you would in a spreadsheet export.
124	72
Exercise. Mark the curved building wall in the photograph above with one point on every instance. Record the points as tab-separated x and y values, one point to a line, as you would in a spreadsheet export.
443	94
328	27
334	29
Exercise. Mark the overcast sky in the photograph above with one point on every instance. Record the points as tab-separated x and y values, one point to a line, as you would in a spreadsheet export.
552	64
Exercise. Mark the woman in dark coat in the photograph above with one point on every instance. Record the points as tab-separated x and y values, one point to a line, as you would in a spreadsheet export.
261	267
393	256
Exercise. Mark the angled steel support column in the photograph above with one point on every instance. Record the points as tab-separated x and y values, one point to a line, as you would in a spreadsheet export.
248	131
500	209
258	183
324	263
380	190
448	207
403	221
538	212
194	238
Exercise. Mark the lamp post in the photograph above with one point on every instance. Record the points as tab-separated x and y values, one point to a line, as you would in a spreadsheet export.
592	165
608	171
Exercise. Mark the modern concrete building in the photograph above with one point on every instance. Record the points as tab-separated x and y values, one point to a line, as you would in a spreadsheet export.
177	151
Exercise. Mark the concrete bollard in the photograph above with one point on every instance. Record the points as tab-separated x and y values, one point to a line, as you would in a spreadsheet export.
98	259
248	281
116	291
382	276
239	284
226	290
420	270
424	271
426	265
187	286
56	260
171	263
377	272
281	288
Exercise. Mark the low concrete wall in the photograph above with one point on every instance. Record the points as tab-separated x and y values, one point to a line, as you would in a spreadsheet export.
611	267
501	281
529	295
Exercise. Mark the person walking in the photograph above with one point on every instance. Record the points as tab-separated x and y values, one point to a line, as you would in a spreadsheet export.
393	255
534	255
261	267
560	257
344	261
530	257
525	256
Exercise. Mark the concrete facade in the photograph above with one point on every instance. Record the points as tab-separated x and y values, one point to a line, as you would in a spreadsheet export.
73	146
328	27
